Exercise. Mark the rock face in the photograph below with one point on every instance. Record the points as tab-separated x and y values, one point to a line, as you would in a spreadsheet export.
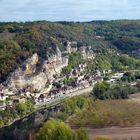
71	47
87	52
27	75
54	64
23	75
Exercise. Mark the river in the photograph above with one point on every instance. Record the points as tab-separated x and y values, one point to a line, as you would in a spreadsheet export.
20	129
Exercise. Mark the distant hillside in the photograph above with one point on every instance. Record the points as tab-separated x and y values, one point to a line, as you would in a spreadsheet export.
19	40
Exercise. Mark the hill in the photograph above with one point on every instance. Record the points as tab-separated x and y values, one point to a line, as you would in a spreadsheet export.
18	41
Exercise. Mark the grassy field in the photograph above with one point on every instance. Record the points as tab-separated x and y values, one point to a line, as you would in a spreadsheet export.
135	97
107	113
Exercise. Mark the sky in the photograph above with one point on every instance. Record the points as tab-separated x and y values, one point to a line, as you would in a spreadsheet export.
68	10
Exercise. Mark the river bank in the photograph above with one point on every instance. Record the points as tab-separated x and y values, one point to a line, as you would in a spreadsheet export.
52	103
20	129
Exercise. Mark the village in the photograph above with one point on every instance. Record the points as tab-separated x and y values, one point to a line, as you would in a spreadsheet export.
24	84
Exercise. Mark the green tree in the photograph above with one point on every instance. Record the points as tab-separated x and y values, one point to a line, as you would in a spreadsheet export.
29	45
99	90
24	108
55	130
21	108
81	134
1	123
104	91
74	60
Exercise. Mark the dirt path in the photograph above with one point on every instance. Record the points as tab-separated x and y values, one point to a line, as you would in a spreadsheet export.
116	133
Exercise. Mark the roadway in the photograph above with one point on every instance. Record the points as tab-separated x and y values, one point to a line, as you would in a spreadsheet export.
59	99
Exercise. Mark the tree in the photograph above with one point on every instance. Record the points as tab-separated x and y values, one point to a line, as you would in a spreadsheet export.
104	91
1	123
55	130
24	108
81	134
29	45
75	59
21	108
99	90
30	106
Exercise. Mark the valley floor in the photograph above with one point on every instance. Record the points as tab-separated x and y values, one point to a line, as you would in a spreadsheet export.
115	133
118	133
135	97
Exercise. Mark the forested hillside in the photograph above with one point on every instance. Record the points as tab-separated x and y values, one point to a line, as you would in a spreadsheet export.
19	40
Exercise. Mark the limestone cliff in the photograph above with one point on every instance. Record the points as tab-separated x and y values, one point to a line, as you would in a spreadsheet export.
54	65
26	75
23	75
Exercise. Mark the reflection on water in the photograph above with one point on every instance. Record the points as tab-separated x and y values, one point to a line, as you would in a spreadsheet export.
24	128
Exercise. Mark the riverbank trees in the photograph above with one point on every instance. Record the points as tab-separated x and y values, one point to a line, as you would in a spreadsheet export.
105	91
10	114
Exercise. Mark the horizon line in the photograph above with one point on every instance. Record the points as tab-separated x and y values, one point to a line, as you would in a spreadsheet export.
69	21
